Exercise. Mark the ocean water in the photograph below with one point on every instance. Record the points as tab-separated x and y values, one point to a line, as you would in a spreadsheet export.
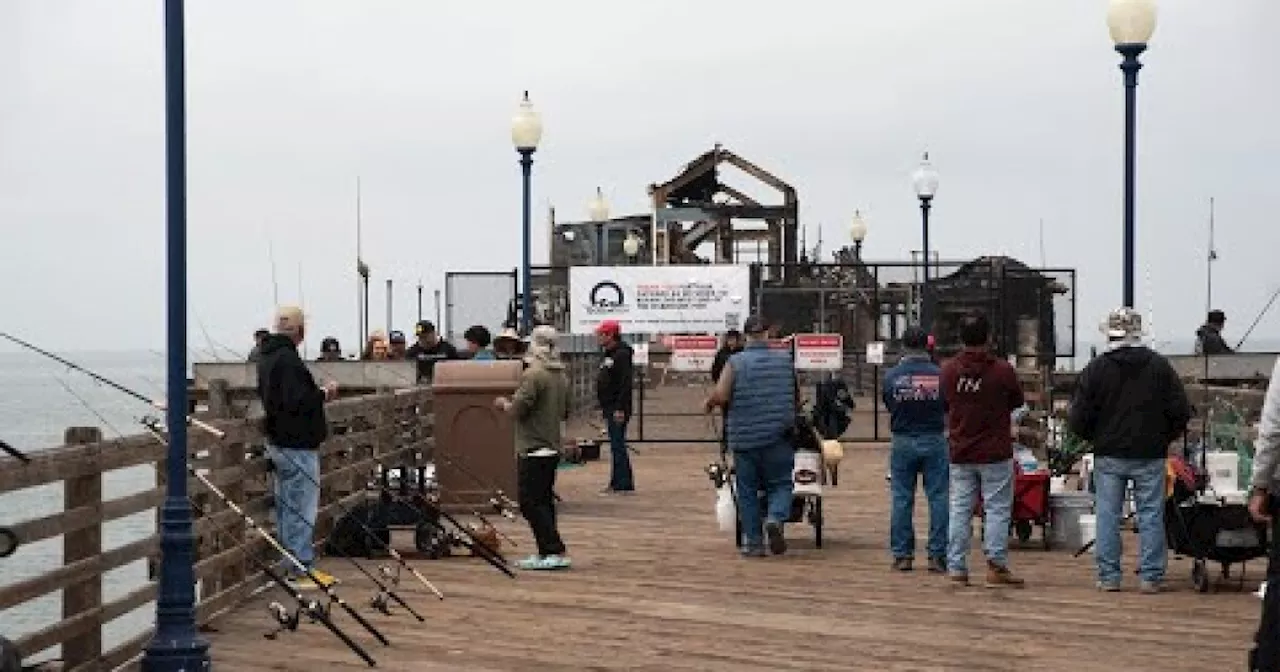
35	408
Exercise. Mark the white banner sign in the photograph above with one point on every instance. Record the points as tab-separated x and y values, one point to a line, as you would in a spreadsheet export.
659	299
819	352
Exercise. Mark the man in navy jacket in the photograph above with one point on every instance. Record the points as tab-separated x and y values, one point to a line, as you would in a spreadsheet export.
913	396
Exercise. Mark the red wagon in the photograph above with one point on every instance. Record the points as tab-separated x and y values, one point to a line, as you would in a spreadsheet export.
1030	505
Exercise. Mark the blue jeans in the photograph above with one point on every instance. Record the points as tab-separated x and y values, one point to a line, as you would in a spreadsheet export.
925	455
995	482
620	477
764	469
297	493
1110	476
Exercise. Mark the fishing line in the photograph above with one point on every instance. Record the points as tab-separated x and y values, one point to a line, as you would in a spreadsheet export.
311	608
158	405
14	452
1258	319
152	426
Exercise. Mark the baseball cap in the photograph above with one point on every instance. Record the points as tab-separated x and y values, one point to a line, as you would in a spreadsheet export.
754	325
609	327
396	337
915	338
1123	323
424	327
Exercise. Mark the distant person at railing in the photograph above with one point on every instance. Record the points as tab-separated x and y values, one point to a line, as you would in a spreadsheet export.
258	337
398	349
376	348
294	425
429	349
330	350
1209	340
507	345
478	341
732	344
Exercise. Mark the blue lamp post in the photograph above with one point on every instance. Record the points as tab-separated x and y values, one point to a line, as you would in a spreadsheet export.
176	647
526	133
1131	22
925	181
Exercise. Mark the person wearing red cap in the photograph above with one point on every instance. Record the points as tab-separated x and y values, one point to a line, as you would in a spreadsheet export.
614	384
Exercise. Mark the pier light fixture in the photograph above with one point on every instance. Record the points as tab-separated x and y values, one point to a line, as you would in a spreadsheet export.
598	208
857	233
526	133
526	126
1131	23
631	245
598	212
925	181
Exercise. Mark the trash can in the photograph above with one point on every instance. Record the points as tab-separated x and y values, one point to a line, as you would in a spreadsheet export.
475	450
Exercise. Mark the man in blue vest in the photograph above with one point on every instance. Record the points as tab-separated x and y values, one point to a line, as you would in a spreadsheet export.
758	387
913	396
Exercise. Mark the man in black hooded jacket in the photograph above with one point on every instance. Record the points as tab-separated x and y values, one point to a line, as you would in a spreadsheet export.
1130	405
294	425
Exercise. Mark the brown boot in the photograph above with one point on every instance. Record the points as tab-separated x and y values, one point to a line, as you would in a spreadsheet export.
1001	577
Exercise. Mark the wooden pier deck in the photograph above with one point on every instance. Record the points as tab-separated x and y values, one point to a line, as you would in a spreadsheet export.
656	587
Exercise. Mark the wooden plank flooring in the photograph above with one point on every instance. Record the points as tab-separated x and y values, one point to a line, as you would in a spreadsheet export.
656	587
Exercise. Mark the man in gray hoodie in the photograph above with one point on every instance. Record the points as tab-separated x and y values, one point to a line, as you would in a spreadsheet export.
1265	507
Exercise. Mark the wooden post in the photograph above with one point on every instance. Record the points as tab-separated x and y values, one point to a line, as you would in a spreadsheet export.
85	595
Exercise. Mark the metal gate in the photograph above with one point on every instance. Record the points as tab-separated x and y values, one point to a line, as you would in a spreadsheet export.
476	297
1032	312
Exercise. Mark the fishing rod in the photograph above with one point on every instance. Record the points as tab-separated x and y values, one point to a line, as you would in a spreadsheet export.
310	608
1256	320
429	508
158	405
14	452
153	427
285	619
380	599
373	536
501	503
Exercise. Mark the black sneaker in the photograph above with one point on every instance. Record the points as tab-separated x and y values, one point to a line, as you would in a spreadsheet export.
937	564
902	564
773	531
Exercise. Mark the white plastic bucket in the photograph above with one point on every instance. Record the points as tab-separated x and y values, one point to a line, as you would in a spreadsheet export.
1088	527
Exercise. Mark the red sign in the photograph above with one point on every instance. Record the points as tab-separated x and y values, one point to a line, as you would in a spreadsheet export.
819	352
693	353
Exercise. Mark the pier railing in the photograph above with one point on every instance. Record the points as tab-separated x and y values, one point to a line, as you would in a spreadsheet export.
366	431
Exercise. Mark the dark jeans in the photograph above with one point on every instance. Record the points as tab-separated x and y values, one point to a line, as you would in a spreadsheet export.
1266	655
537	481
764	469
620	477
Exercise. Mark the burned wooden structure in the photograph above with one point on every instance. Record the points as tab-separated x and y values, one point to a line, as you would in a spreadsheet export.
693	208
1031	310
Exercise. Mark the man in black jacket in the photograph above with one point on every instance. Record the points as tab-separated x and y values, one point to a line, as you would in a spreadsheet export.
613	390
428	350
1130	405
294	425
1209	340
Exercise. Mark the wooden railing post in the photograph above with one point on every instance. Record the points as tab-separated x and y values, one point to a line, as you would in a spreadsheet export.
85	595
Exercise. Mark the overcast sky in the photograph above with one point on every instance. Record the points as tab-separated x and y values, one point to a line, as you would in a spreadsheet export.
1019	103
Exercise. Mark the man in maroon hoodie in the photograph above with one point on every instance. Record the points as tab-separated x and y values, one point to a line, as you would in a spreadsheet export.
981	391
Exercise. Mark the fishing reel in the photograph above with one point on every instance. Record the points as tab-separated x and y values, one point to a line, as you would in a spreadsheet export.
718	473
8	542
502	505
287	620
381	603
392	574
